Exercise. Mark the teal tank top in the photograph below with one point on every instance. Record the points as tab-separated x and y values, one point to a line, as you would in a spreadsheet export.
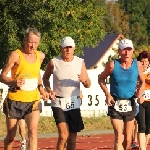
123	81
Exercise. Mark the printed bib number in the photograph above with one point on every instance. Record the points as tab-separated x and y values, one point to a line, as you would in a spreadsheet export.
70	103
146	95
30	84
123	105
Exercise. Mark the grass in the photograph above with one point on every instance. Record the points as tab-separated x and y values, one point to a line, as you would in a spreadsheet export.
47	124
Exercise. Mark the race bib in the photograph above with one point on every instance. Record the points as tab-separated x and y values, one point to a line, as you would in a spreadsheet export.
30	84
146	95
69	103
123	105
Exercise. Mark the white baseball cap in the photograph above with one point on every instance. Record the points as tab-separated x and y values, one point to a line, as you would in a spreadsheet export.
67	41
125	43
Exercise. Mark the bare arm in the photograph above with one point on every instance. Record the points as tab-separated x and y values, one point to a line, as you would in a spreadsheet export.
42	56
83	78
101	80
12	60
43	94
48	72
141	78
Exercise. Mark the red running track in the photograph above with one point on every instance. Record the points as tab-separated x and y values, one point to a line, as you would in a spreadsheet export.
92	142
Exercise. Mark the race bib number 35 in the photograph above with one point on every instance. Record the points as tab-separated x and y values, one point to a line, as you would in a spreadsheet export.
123	105
70	103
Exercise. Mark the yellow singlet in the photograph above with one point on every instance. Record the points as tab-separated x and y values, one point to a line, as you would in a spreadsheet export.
29	71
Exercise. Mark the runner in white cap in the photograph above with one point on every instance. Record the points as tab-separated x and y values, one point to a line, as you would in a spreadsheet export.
68	72
123	73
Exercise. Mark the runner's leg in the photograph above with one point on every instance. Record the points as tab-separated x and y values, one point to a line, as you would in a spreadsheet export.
71	142
147	121
11	125
128	128
62	135
141	126
118	128
32	121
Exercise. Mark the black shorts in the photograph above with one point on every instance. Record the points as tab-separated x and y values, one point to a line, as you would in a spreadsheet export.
125	116
17	110
72	118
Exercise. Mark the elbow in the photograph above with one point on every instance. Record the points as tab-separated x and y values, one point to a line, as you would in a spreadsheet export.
101	81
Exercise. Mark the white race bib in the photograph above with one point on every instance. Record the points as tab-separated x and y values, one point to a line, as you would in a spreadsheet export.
123	105
146	95
30	84
69	103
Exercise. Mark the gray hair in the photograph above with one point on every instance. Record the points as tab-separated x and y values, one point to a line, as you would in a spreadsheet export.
31	31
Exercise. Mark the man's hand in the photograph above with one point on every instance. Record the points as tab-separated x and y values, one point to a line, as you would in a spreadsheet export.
81	78
52	95
44	95
18	83
109	100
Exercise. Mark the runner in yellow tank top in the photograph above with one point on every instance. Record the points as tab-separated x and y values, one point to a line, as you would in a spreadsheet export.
23	99
30	72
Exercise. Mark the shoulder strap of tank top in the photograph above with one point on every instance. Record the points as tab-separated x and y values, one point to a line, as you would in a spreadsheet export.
37	54
19	53
134	62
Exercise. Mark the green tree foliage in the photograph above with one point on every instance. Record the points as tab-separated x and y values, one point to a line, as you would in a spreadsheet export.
82	20
133	20
116	21
139	18
141	48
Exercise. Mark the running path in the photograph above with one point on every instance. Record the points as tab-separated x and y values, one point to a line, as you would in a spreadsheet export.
95	142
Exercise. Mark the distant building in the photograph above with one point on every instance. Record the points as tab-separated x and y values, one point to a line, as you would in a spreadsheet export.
94	57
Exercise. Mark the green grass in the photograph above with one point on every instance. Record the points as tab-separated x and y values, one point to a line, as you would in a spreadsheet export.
47	124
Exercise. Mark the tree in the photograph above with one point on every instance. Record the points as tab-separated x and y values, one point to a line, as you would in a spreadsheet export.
138	12
116	21
81	20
